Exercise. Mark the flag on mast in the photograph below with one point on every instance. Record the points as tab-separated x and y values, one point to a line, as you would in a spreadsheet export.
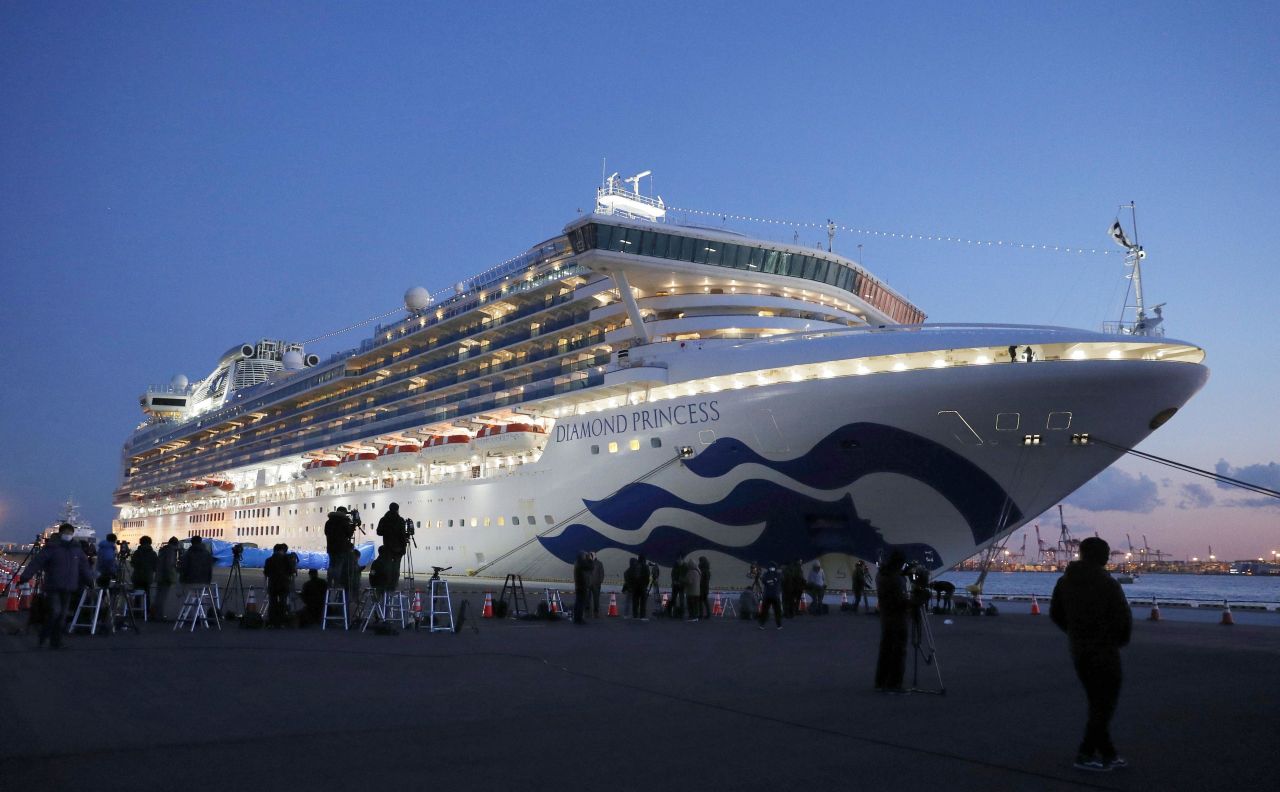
1117	233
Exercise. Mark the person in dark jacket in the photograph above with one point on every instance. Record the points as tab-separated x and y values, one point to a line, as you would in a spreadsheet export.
704	587
792	587
861	580
339	532
395	539
594	584
145	561
278	570
313	594
166	575
643	581
630	581
1091	608
106	561
675	605
581	582
771	595
384	572
895	608
66	570
195	568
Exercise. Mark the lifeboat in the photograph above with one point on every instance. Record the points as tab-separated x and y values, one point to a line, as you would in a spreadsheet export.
449	449
514	438
137	497
358	463
321	468
398	456
218	486
196	489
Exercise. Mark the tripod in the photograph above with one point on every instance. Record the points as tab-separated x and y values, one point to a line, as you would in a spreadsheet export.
407	561
235	584
923	648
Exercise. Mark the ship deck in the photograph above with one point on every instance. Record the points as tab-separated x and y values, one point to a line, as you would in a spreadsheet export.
628	704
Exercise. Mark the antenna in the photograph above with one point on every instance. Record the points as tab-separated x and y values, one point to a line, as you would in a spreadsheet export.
635	180
831	233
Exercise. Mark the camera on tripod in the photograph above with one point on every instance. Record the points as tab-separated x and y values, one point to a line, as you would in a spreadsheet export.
237	552
354	516
122	550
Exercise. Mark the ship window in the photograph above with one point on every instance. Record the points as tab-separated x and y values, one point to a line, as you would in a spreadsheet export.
686	248
770	261
647	242
784	263
532	521
613	448
473	522
502	521
660	245
714	251
634	445
547	517
604	236
595	449
277	511
1008	422
451	523
1059	420
515	520
656	442
486	522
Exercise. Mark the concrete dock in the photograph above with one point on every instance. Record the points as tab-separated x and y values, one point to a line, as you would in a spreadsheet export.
627	705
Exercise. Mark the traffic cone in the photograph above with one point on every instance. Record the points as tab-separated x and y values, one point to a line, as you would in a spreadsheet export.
666	598
11	602
1035	606
718	608
24	601
613	604
251	604
416	607
800	608
1227	618
844	600
487	611
1155	611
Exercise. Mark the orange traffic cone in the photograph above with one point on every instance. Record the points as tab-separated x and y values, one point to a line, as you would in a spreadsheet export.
11	602
416	607
1035	606
1155	611
24	601
718	608
1227	618
251	604
613	604
800	608
487	611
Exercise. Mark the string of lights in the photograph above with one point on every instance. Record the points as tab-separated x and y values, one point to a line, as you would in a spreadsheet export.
899	235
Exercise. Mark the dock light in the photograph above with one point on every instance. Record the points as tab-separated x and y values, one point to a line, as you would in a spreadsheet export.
686	452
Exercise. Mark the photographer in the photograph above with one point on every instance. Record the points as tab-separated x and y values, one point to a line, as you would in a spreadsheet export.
66	570
278	571
106	561
395	541
894	608
145	562
166	575
339	533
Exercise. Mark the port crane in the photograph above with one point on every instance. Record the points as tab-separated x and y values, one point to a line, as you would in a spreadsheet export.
1068	545
1047	555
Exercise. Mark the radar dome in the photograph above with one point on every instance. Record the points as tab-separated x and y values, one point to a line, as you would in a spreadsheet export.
417	299
179	382
293	360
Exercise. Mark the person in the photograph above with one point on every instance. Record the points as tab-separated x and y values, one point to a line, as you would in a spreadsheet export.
643	580
395	538
195	568
692	587
792	587
144	567
1091	608
861	577
1029	356
66	570
771	595
166	575
704	587
595	583
384	572
630	580
675	604
654	584
817	587
338	534
1013	354
581	581
313	594
894	611
278	570
754	574
106	561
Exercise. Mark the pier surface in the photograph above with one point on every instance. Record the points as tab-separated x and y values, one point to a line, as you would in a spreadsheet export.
628	705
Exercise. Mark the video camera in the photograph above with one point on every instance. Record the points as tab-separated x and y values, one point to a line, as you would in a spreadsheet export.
237	552
354	516
122	550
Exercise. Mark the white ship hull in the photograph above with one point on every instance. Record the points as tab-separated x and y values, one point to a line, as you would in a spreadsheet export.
941	461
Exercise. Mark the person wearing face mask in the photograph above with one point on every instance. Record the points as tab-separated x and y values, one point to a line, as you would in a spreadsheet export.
66	570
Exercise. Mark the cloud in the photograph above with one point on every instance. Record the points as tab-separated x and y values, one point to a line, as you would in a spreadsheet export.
1195	496
1115	490
1267	475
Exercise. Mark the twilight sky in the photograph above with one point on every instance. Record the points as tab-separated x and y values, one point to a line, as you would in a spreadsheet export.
179	178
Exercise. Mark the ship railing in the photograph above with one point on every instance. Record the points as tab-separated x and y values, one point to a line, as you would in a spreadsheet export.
611	189
1133	328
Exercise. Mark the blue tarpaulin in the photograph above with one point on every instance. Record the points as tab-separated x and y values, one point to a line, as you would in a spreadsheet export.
255	557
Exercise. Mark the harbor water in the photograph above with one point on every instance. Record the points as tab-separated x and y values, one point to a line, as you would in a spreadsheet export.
1243	589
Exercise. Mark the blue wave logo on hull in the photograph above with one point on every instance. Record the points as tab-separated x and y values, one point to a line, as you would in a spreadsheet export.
797	525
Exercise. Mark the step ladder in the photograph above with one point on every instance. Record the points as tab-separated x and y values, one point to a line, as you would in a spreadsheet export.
122	610
197	606
727	608
335	607
513	586
366	603
441	606
392	607
139	600
555	605
88	610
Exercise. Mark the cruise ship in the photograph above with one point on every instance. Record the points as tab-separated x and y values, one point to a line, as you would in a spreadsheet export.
635	385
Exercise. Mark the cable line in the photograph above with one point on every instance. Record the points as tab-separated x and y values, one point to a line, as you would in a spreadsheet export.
1218	477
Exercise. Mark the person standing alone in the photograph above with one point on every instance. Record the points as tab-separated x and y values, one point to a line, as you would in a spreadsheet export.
395	540
66	570
1091	608
894	608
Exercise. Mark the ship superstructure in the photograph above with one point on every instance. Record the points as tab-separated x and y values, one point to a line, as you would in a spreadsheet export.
636	385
